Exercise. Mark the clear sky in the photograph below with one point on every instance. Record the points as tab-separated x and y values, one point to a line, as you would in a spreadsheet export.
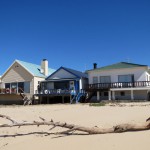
74	33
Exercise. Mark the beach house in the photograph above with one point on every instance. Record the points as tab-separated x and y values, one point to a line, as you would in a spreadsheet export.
64	85
120	81
22	77
0	83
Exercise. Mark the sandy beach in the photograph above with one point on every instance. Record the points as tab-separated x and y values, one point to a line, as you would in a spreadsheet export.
79	114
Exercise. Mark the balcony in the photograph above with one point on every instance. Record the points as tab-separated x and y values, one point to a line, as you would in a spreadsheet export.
107	86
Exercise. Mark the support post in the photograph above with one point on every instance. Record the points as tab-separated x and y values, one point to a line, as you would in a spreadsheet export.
132	95
113	95
70	99
98	95
109	94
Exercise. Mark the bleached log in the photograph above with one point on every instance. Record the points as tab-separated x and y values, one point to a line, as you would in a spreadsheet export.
71	127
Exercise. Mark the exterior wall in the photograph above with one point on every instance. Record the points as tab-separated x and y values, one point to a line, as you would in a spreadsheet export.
61	74
140	74
34	84
16	74
138	95
127	95
10	99
147	76
84	82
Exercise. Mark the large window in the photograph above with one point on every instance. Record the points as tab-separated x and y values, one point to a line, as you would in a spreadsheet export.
18	87
126	78
26	87
95	80
61	85
105	79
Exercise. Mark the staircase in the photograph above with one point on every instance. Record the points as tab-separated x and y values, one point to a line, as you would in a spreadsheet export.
26	100
89	96
78	98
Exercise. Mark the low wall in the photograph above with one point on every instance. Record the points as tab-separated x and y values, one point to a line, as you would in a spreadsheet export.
9	99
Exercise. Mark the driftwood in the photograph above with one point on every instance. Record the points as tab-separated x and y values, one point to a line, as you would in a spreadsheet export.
71	127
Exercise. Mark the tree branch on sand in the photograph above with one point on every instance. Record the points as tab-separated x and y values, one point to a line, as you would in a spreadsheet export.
71	127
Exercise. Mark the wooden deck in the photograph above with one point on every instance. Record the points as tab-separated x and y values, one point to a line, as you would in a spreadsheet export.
107	86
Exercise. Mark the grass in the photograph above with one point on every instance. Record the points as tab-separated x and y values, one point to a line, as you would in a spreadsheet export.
97	104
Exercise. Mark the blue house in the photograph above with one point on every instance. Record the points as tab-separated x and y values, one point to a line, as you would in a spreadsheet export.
64	85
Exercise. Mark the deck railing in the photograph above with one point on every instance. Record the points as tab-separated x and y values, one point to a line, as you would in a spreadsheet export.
118	85
10	91
59	92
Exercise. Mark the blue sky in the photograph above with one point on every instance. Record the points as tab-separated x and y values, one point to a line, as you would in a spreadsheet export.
74	33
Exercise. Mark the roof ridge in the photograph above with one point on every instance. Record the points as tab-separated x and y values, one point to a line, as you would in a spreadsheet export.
34	69
133	63
31	63
120	65
73	69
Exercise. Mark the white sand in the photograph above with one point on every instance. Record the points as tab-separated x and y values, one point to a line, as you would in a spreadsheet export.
105	116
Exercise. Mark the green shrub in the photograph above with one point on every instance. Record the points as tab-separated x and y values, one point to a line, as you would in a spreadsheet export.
97	104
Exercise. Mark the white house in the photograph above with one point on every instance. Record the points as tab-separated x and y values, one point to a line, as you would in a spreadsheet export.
22	76
120	81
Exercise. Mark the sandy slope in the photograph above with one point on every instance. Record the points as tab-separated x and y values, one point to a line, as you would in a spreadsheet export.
105	116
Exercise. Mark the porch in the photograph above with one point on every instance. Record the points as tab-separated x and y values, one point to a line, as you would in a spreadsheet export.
139	90
99	86
58	95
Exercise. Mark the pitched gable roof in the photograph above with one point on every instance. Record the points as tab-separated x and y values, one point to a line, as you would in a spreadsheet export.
76	73
120	65
34	69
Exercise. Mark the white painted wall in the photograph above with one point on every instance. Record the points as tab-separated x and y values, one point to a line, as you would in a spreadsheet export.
16	74
140	74
34	84
83	82
80	84
61	74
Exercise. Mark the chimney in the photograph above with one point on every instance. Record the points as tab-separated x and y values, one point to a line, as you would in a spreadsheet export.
94	65
44	67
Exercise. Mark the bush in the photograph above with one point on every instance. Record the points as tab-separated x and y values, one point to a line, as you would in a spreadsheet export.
97	104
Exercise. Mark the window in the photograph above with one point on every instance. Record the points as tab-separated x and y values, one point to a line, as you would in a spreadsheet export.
62	85
95	80
14	87
27	87
122	93
7	85
18	87
126	78
105	79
